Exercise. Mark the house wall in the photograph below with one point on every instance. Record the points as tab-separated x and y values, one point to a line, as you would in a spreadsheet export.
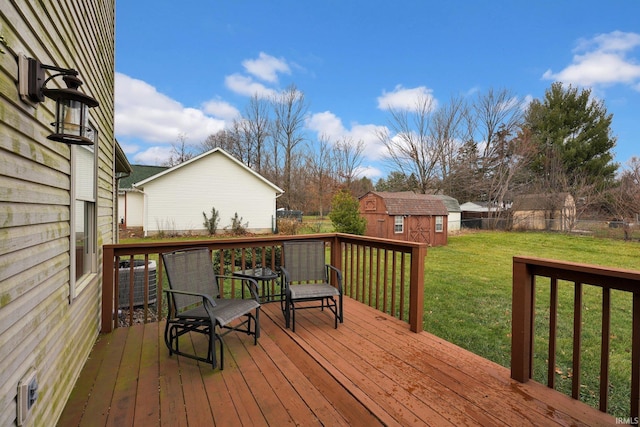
133	208
175	201
41	326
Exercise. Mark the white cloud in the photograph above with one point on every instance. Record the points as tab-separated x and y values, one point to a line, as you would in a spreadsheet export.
266	67
143	113
408	99
244	85
153	156
329	125
221	109
604	60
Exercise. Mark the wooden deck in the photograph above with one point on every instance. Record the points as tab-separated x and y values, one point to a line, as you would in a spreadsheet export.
370	371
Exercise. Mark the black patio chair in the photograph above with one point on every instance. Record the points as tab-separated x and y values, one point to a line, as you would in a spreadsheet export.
307	277
195	304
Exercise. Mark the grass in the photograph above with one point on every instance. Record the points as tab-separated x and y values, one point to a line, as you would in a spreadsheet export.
468	302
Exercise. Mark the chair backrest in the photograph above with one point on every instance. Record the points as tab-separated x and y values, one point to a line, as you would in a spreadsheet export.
190	270
305	261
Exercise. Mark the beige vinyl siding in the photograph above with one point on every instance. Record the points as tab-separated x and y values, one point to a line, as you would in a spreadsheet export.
39	326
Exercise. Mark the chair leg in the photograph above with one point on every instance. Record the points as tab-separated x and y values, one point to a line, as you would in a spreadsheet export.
293	317
167	338
287	313
256	327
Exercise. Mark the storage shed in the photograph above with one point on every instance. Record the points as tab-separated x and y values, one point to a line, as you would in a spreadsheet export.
405	216
544	212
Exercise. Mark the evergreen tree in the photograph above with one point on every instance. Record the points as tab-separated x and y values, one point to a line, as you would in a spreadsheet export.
573	134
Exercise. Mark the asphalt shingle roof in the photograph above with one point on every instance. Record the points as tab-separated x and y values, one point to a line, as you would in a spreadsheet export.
408	203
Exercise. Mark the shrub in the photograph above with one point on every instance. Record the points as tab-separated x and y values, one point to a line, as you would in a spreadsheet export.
211	224
345	214
237	227
288	226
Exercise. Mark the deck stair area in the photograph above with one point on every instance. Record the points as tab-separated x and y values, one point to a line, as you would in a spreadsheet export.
370	371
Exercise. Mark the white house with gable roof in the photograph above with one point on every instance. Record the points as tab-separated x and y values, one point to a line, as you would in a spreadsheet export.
174	200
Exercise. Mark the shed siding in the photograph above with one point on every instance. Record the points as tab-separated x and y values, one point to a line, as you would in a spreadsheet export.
175	201
39	327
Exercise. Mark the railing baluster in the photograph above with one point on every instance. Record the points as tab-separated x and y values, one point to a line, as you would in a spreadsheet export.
131	288
577	340
553	332
385	274
402	285
604	349
145	302
378	252
394	272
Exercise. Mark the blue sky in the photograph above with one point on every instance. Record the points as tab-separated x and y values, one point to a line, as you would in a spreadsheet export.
188	68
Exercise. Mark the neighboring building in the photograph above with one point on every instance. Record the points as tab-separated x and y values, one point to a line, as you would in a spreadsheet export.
57	203
130	199
174	200
483	215
453	207
544	212
405	216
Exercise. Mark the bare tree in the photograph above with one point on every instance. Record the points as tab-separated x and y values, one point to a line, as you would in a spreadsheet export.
255	128
624	198
321	167
180	152
290	109
409	142
448	133
497	117
348	158
225	139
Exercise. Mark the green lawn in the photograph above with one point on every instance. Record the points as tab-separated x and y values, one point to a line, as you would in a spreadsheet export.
468	302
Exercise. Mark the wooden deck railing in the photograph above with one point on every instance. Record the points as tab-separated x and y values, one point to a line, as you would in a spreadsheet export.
385	274
525	272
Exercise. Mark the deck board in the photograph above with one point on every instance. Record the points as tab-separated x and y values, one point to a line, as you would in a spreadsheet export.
370	371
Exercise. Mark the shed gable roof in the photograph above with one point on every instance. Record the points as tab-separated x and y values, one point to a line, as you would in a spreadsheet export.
408	203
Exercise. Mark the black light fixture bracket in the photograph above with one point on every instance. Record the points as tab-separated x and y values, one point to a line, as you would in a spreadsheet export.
71	105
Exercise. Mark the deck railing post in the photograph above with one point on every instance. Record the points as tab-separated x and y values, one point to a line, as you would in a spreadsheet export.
107	289
416	288
635	358
522	322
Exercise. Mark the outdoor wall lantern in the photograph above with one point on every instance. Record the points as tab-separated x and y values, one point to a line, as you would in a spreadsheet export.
72	118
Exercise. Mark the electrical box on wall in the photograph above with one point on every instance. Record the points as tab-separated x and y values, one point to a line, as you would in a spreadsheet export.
27	395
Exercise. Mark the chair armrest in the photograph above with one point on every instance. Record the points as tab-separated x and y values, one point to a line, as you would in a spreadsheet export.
194	294
207	301
251	284
338	275
285	275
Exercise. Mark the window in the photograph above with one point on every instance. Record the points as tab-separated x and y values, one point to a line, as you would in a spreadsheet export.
398	226
83	216
439	224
